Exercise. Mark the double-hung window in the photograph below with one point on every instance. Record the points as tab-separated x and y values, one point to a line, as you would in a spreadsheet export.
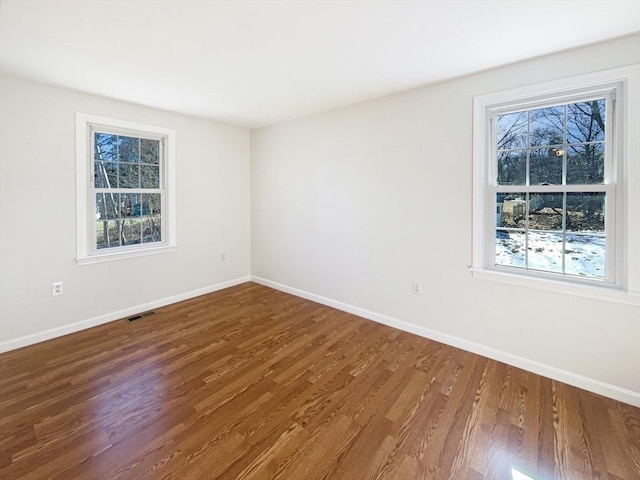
549	184
125	189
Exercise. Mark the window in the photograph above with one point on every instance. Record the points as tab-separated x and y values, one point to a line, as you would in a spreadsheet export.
551	198
550	185
125	189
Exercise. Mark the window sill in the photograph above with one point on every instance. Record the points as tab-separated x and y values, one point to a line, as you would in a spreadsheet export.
122	255
589	291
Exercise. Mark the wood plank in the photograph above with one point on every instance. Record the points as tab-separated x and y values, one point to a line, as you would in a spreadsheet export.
251	383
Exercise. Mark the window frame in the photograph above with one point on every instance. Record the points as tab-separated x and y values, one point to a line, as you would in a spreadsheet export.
87	253
621	284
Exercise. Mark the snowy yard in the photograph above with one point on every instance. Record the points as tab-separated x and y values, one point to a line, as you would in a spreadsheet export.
584	254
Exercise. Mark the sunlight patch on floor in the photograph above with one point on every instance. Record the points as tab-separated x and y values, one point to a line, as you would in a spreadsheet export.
518	475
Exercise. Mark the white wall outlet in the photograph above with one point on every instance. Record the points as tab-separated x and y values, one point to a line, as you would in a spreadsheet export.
223	257
56	289
416	288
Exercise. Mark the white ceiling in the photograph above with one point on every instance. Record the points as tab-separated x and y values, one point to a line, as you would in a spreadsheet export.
260	62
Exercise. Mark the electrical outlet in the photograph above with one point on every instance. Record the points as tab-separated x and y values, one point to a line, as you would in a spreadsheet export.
223	257
416	288
56	289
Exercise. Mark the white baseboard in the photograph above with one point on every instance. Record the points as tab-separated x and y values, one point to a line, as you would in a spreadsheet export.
109	317
576	380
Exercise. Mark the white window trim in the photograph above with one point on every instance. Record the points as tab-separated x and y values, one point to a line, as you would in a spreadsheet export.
84	253
626	81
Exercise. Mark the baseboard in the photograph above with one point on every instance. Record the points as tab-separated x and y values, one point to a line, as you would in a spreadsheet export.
109	317
576	380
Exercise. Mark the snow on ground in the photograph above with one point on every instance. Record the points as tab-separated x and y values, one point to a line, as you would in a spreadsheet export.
584	254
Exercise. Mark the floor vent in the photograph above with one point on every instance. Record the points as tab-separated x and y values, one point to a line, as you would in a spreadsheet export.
141	315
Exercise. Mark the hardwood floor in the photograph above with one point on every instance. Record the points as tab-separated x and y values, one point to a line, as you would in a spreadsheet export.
251	383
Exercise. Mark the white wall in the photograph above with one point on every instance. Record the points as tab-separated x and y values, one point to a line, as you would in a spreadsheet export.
37	214
349	206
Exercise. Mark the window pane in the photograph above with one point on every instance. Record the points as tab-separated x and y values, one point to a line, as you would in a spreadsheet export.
105	174
107	206
152	202
545	166
510	249
149	176
130	204
151	229
546	212
585	121
546	126
157	223
131	233
585	212
149	151
513	209
105	146
137	207
585	164
584	255
128	149
129	176
512	167
544	251
140	209
511	131
107	233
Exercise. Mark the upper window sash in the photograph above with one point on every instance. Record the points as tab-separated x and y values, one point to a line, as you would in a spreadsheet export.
610	170
94	128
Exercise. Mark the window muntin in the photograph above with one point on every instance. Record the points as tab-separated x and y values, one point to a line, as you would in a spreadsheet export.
127	189
549	189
